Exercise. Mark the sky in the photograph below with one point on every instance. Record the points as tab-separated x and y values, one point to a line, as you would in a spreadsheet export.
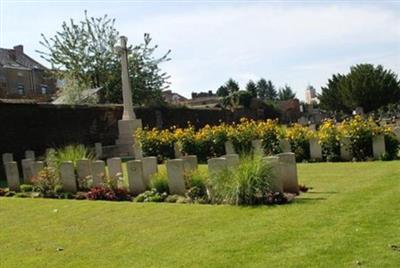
292	42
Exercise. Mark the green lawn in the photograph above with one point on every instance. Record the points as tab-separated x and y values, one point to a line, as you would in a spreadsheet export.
350	219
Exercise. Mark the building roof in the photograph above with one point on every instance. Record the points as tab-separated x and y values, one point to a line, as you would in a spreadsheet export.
17	59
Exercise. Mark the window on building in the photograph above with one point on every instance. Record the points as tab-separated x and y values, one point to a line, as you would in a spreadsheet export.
20	89
20	74
44	89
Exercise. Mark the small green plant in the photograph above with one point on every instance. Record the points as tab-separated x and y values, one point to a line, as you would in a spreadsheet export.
248	184
159	182
195	182
151	196
26	188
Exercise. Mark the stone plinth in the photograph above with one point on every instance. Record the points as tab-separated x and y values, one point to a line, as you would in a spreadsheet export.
217	165
27	169
30	154
98	172
190	163
114	166
126	140
232	160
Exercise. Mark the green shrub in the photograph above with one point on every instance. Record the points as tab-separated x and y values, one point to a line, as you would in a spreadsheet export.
47	183
392	147
22	195
151	196
248	184
26	188
195	182
159	182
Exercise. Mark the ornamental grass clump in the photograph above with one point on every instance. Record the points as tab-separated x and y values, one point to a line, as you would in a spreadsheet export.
71	153
247	184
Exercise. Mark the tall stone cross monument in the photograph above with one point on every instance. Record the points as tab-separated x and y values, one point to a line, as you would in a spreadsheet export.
128	124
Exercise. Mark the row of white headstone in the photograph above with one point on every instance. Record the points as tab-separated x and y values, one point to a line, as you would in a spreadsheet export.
378	147
139	172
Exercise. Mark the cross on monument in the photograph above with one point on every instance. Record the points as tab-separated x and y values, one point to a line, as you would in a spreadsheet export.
128	124
126	85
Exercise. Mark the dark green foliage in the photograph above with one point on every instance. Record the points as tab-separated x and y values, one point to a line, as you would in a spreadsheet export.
366	86
392	147
245	98
251	87
159	182
301	148
151	196
286	93
26	188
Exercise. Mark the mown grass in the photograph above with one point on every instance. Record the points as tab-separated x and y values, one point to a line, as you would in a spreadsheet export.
350	219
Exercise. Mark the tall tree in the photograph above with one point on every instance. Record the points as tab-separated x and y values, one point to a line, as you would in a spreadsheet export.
222	91
271	93
251	87
84	51
367	86
262	88
232	85
286	93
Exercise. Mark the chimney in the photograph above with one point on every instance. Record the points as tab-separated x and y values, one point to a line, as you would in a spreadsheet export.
19	49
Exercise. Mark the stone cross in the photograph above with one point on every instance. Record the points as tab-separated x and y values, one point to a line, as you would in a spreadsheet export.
122	49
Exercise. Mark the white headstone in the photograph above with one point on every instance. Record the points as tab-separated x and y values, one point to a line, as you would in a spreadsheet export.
396	132
135	177
345	150
315	149
30	154
217	165
137	148
229	149
98	147
114	168
257	147
12	175
190	163
67	177
177	150
98	172
378	146
150	167
27	169
232	160
7	157
176	180
276	184
37	167
285	145
289	172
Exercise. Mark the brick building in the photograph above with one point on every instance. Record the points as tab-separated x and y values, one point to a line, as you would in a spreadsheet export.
23	77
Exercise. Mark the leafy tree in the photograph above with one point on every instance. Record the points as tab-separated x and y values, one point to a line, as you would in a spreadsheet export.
232	85
286	93
251	87
366	85
84	51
